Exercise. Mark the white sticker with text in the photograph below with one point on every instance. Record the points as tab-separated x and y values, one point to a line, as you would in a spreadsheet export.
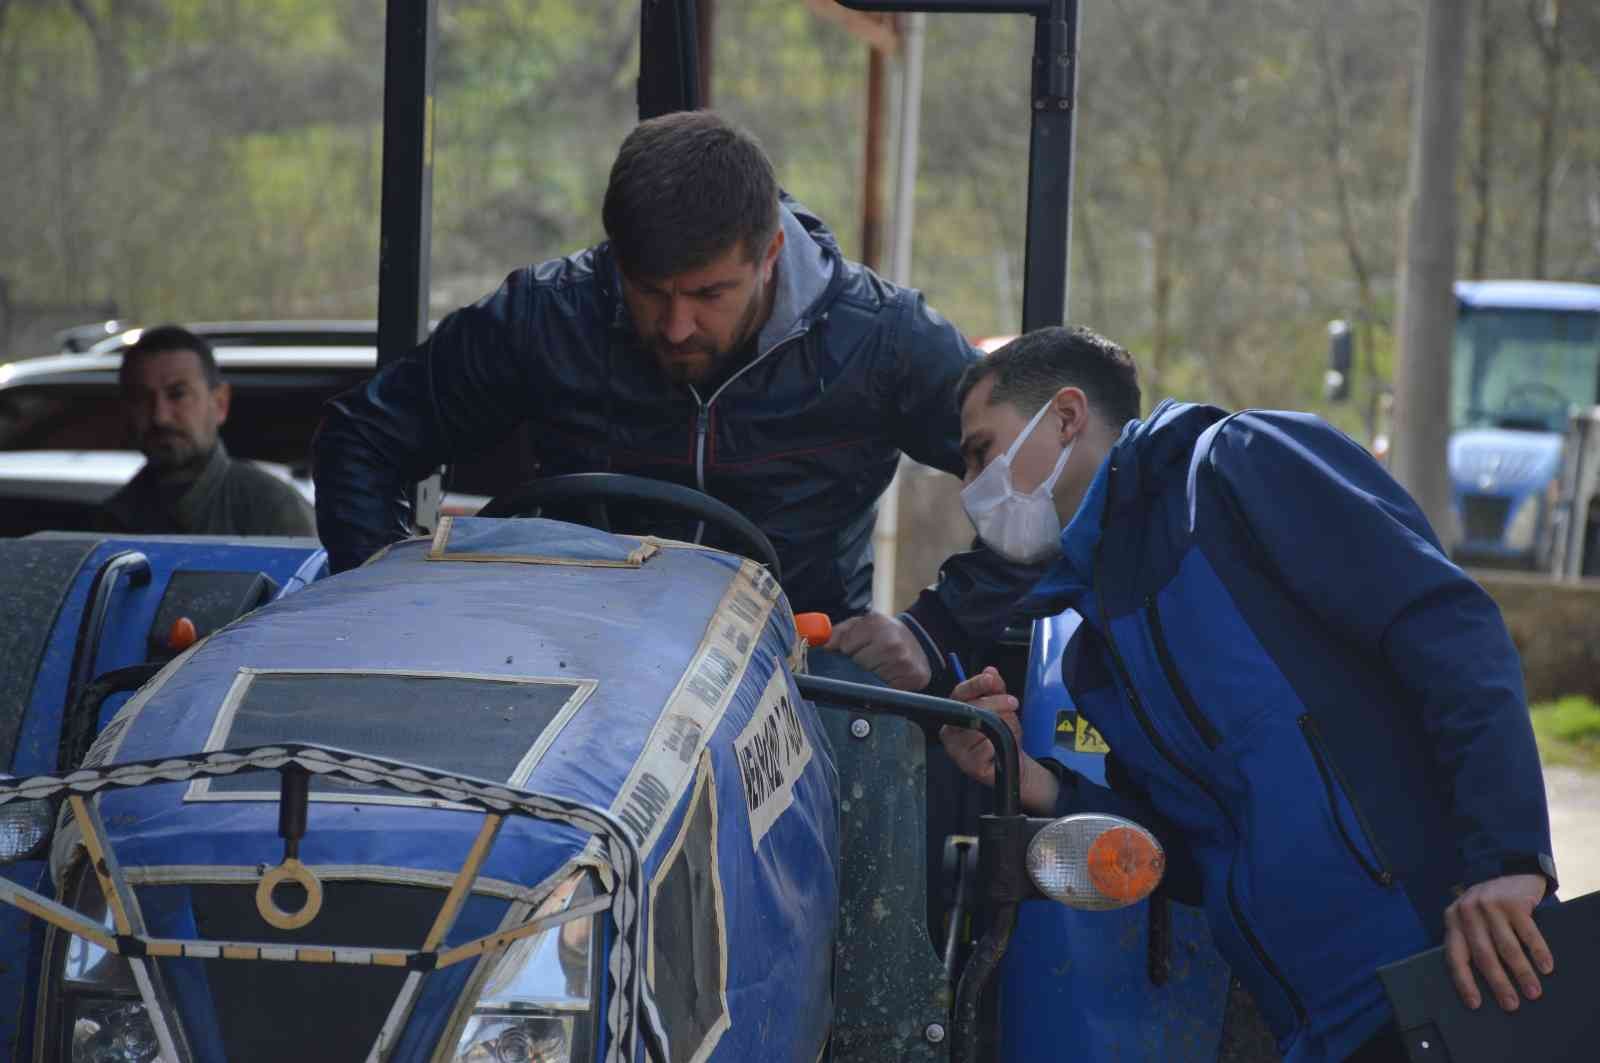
772	751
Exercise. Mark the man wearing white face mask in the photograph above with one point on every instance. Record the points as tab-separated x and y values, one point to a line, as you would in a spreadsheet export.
1318	713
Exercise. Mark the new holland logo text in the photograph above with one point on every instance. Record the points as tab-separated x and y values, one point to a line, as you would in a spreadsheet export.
772	751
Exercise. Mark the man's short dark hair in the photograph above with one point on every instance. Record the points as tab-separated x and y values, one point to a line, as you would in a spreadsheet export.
1030	369
164	338
685	188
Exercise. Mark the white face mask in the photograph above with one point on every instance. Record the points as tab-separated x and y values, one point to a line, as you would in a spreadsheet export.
1021	527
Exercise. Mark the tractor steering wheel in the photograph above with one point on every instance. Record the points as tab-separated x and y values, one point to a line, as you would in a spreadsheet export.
595	489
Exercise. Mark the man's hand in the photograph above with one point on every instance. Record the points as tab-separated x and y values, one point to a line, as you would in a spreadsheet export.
885	646
1488	927
974	754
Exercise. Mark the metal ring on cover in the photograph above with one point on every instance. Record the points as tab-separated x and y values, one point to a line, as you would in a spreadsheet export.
291	870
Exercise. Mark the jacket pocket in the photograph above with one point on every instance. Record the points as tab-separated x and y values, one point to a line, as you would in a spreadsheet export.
1169	667
1375	866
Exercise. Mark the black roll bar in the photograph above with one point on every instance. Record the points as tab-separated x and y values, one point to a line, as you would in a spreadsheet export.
92	627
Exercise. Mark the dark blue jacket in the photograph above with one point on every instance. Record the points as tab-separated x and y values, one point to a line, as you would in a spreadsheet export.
849	372
1321	714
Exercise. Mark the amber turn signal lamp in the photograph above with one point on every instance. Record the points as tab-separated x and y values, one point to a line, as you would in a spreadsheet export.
182	635
815	628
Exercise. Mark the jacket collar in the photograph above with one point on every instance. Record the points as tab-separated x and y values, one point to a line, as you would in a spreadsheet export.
805	270
1142	463
1072	573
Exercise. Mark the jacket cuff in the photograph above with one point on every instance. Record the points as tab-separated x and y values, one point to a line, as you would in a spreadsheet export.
935	628
1514	864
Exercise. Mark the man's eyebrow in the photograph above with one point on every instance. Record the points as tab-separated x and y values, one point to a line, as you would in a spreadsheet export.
713	288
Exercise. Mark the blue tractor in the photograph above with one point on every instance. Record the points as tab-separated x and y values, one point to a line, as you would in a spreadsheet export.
1527	354
519	790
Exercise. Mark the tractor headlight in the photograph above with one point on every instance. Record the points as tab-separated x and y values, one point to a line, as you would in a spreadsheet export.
103	1018
1095	862
24	828
1523	532
517	1039
536	1005
113	1031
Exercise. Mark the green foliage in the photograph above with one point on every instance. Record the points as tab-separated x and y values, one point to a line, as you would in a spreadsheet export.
1574	719
1568	731
1238	173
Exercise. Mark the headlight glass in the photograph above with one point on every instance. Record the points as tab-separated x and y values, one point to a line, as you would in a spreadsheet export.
113	1031
536	1005
517	1039
24	828
104	1019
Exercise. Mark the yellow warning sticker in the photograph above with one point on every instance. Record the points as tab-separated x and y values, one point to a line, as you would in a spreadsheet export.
1088	740
1073	730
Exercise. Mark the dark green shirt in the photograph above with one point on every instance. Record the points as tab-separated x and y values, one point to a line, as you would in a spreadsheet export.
229	498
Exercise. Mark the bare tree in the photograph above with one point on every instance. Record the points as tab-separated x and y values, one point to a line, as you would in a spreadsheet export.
1483	164
1545	18
1336	138
1168	75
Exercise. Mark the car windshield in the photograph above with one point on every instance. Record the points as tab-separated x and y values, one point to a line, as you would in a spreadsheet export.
1523	369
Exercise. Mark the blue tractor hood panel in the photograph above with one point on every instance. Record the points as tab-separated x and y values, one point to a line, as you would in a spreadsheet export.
647	678
1503	461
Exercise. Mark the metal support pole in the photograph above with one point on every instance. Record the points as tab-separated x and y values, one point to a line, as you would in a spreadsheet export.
1055	81
872	165
407	226
669	58
705	46
1427	313
407	177
886	535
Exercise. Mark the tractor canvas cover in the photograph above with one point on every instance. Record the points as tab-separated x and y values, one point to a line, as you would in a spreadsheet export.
629	701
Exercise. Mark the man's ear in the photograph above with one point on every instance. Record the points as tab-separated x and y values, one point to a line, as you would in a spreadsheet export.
770	258
221	396
1072	406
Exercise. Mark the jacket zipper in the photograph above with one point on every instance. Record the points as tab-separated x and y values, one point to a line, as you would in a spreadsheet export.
1334	782
702	423
1191	708
1189	773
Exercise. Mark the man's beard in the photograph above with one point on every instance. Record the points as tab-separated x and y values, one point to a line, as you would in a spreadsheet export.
173	453
699	358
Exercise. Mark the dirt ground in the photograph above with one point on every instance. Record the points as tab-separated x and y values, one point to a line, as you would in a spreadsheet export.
1575	828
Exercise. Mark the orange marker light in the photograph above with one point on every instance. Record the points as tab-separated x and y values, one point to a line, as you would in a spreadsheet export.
1124	865
182	635
815	628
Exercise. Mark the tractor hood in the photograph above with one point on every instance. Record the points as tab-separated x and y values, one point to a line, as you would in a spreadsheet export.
525	652
1503	461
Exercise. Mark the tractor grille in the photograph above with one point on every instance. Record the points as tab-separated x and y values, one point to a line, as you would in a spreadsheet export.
272	1011
1483	517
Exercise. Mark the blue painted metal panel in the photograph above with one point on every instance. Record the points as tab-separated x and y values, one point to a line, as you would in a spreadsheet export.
1076	985
133	610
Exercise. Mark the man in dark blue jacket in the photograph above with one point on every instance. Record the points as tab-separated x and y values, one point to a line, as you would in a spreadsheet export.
1321	716
720	340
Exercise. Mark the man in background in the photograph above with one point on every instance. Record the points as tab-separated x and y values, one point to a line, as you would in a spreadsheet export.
175	401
